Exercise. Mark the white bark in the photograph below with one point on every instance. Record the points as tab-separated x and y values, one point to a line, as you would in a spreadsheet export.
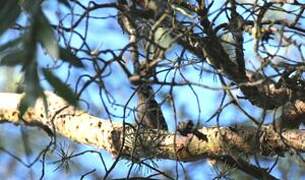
83	128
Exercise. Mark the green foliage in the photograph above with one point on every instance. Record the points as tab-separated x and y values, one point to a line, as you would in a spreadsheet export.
10	44
13	58
68	56
9	12
61	88
45	35
22	50
163	38
65	2
32	87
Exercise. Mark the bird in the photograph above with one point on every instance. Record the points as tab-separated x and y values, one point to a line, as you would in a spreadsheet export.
149	113
236	28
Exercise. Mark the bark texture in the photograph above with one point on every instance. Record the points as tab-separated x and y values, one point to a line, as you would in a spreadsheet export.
131	141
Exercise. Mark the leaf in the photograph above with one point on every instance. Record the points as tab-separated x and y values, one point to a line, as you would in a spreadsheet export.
45	35
11	53
13	58
66	3
9	12
68	56
27	101
30	6
61	89
163	37
32	88
11	44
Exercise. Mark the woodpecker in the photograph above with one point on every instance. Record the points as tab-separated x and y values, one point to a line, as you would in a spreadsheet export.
144	19
236	28
149	113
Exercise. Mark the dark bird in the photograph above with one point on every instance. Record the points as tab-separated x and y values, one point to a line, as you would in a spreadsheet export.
236	28
149	113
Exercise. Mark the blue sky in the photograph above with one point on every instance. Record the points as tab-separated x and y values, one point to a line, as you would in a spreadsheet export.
105	34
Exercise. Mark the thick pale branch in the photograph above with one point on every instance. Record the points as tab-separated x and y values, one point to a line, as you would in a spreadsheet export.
137	143
61	119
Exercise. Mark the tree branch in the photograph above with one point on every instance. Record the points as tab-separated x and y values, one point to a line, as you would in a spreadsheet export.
83	128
